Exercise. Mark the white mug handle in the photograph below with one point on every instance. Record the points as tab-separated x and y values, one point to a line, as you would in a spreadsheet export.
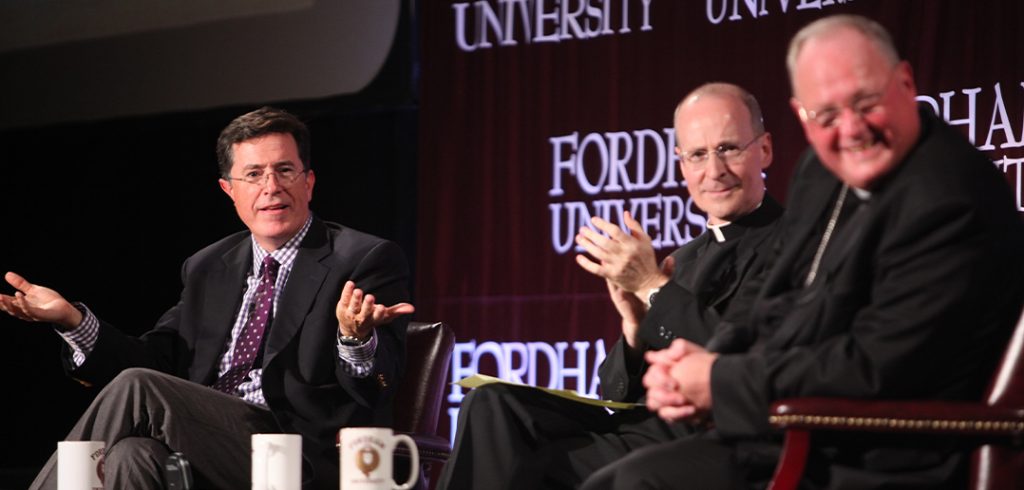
414	465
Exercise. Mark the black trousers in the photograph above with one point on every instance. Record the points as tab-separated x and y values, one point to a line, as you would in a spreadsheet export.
511	437
144	415
693	462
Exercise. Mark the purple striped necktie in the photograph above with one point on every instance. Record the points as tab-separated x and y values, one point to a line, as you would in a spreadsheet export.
248	344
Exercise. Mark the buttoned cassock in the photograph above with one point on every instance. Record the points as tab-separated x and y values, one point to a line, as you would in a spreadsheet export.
509	437
915	298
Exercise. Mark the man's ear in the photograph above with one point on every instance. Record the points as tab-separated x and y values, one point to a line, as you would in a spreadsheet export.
766	150
906	74
225	185
798	109
310	180
801	113
679	153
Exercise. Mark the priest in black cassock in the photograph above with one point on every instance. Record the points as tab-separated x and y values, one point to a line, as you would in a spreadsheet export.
512	437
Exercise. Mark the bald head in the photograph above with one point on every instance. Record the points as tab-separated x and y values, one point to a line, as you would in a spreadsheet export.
723	90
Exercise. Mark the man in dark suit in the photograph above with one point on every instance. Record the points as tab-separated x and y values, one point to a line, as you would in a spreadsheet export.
510	437
258	342
898	277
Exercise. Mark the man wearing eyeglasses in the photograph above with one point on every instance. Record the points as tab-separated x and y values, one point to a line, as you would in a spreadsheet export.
281	328
898	276
509	437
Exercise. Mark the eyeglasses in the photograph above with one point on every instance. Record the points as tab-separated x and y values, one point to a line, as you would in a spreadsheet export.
828	117
285	175
698	158
862	106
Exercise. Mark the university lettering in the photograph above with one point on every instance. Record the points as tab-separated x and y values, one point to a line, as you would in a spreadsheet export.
484	24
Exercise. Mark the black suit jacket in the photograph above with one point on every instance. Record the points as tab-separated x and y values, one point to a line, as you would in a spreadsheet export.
915	297
704	284
303	382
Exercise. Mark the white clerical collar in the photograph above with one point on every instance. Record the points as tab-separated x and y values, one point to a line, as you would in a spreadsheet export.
864	195
717	230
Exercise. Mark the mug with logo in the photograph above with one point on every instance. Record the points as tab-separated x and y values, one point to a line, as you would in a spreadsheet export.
276	462
80	465
367	458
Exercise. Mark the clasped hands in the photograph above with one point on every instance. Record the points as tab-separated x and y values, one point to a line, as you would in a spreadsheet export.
678	381
358	313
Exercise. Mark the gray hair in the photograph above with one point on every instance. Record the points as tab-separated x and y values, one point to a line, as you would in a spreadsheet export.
872	30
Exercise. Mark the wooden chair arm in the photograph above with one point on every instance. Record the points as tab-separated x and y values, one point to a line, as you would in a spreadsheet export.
800	416
924	417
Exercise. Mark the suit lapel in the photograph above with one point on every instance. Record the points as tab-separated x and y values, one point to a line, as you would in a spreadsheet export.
304	283
223	296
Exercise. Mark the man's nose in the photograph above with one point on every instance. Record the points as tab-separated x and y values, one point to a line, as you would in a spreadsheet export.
851	122
271	184
716	165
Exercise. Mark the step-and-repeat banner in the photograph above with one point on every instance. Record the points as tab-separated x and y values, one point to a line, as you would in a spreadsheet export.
536	115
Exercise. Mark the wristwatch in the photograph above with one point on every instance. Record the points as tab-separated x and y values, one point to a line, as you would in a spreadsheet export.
350	340
651	293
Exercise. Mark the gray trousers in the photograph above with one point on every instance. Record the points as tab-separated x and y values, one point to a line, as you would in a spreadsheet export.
144	415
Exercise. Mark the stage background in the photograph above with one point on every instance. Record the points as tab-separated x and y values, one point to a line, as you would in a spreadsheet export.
536	115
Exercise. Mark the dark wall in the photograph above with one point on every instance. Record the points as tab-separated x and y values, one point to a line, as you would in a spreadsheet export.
106	212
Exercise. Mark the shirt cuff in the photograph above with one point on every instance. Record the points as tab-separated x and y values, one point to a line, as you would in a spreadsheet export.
357	360
82	339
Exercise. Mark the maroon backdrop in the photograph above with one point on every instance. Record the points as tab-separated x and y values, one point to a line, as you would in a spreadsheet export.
537	114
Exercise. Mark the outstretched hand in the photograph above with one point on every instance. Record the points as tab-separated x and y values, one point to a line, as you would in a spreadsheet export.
34	303
358	313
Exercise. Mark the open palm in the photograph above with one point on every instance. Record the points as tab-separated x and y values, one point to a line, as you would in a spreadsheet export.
37	303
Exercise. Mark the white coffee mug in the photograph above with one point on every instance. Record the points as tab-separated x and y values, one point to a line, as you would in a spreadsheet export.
276	462
367	459
80	465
